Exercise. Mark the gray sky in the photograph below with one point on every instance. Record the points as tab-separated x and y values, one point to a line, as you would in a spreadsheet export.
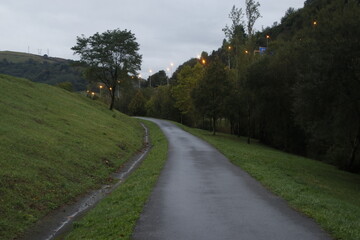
167	31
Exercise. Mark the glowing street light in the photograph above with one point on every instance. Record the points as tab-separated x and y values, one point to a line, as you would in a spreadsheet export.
150	71
246	52
203	61
168	70
229	48
101	87
267	40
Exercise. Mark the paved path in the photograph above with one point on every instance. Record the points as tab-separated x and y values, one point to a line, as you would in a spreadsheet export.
201	195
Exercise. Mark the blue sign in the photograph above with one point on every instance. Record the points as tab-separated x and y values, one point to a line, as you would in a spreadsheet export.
262	50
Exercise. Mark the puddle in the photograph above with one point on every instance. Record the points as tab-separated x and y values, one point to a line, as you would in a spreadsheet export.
59	222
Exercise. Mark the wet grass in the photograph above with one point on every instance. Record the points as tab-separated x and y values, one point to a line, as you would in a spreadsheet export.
54	146
321	191
115	217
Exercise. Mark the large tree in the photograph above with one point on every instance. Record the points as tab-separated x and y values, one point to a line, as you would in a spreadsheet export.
188	77
252	14
110	57
210	93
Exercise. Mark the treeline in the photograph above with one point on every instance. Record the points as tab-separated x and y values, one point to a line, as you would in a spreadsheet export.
46	71
301	94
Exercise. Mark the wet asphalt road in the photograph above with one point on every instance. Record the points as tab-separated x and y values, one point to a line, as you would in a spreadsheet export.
201	195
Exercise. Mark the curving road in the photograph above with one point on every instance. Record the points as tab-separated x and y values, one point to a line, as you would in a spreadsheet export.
201	195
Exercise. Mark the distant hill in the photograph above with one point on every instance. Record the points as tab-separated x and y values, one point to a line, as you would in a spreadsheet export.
54	146
42	69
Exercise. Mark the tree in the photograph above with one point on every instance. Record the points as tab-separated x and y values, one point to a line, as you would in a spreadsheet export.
327	100
137	104
110	57
161	104
236	16
211	91
188	77
158	79
252	14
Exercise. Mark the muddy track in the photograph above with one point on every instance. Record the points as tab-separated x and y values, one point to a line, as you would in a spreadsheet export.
59	222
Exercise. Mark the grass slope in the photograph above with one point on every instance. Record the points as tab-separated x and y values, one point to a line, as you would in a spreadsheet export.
115	217
319	190
54	146
19	57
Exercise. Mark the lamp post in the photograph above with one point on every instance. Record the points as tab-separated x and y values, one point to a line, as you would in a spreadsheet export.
229	49
168	70
267	40
101	87
139	77
150	71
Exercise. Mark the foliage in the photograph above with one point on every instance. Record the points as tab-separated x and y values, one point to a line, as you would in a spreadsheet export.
110	56
252	14
327	103
161	104
137	105
55	146
188	77
158	79
210	92
40	69
236	16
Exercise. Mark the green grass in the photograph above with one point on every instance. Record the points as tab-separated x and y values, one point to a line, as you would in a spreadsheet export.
54	146
115	217
19	57
321	191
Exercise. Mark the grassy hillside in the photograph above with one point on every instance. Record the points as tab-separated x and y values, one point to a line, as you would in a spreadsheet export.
319	190
19	57
41	69
54	146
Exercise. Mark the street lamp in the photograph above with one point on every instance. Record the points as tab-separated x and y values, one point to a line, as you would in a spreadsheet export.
267	40
139	77
168	69
101	87
229	48
150	71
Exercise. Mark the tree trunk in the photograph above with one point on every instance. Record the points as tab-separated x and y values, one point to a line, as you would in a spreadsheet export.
238	130
214	125
354	149
112	95
249	124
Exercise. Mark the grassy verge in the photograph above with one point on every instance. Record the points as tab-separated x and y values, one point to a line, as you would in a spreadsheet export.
115	217
321	191
55	145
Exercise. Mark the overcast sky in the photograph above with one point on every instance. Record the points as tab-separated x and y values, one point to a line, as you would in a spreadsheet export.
168	31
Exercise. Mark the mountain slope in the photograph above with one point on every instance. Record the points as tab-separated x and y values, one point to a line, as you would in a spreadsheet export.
42	69
54	146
